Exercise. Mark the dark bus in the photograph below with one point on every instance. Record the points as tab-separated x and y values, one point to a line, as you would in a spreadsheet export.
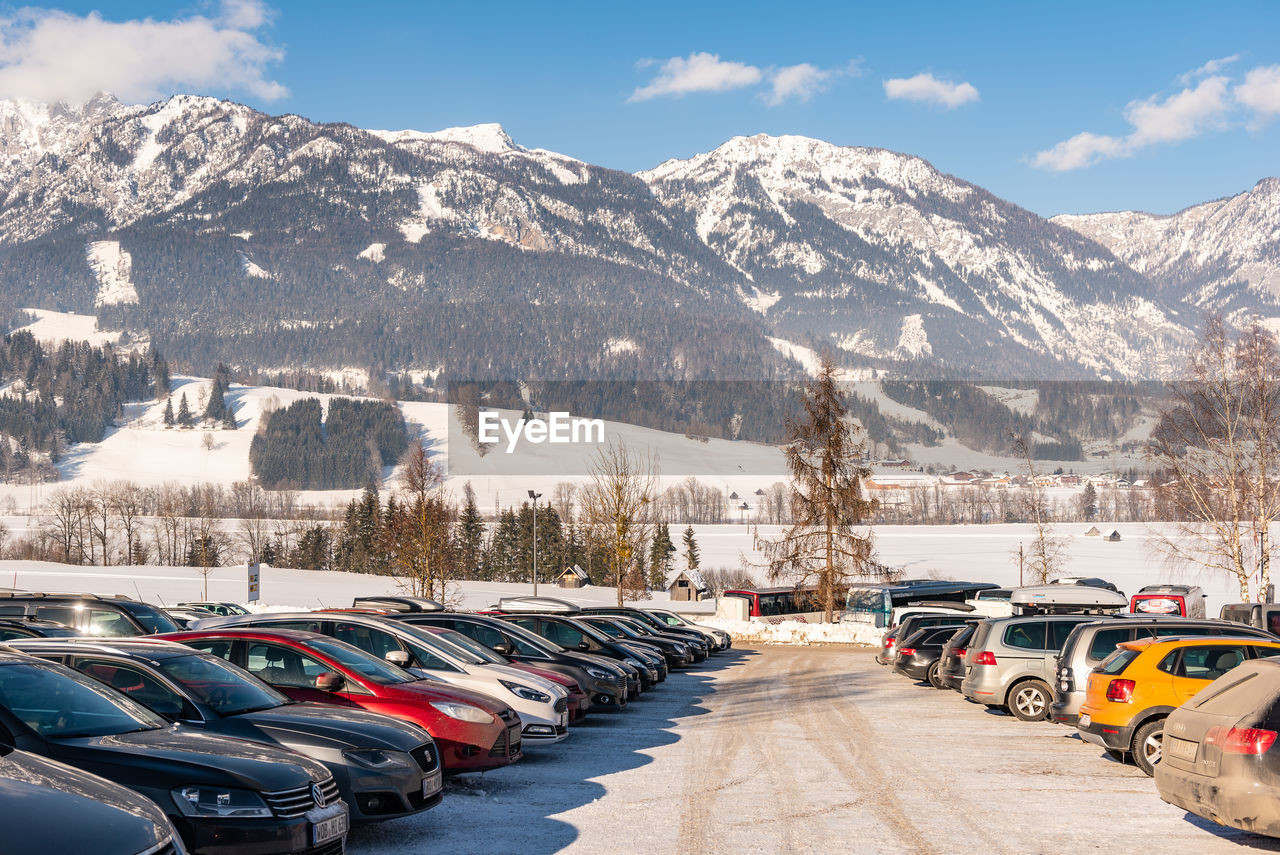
874	603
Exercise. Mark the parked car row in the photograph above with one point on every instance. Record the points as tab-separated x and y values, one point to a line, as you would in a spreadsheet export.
1194	702
272	733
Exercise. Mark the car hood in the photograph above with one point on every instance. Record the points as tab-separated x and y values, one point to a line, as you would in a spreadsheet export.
202	758
324	725
67	810
432	690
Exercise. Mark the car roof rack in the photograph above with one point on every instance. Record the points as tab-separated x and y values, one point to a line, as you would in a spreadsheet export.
537	605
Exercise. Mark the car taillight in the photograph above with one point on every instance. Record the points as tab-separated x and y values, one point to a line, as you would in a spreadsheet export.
960	651
1120	691
1240	740
906	651
986	657
888	642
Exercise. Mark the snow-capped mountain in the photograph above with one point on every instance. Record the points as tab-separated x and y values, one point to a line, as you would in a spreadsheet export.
1222	256
882	255
231	235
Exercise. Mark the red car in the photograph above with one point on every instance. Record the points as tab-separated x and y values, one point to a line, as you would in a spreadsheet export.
579	703
473	732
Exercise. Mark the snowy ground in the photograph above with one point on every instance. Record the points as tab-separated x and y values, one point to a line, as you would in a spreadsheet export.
803	750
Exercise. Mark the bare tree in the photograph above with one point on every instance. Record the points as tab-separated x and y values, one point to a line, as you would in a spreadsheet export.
615	514
562	499
128	502
421	536
825	546
62	520
1219	439
1048	552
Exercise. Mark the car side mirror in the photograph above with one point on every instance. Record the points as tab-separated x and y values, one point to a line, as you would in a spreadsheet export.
504	648
582	645
397	657
329	681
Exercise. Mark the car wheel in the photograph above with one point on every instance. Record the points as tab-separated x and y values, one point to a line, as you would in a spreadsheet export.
1148	743
1030	700
934	676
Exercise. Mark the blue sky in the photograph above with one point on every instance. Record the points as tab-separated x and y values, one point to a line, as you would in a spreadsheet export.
983	91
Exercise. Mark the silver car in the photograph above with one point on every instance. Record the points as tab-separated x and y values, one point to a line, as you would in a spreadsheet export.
1010	662
1090	643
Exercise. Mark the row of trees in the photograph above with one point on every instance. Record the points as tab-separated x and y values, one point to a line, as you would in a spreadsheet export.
300	447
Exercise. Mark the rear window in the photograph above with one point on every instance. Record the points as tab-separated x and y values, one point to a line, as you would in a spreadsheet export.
1239	614
1117	661
940	636
1273	623
1105	642
1025	636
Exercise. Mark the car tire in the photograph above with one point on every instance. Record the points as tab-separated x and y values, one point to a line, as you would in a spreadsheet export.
1147	746
1030	701
934	676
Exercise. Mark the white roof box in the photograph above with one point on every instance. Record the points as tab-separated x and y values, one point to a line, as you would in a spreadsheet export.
542	605
1066	598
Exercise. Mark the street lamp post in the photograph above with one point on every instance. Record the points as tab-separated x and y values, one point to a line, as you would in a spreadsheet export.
535	497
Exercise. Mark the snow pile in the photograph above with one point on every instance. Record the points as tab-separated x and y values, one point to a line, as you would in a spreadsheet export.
112	267
795	632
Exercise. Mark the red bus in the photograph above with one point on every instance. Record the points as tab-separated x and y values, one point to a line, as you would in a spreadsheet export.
779	602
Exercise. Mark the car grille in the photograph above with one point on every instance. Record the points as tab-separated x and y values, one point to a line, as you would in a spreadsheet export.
426	757
508	744
418	801
622	683
294	803
562	705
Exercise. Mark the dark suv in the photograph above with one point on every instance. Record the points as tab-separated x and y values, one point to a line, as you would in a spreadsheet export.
384	768
89	614
223	795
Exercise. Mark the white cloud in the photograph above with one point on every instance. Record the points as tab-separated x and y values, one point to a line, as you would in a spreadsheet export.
803	81
1183	115
1260	91
50	55
929	89
1211	67
698	72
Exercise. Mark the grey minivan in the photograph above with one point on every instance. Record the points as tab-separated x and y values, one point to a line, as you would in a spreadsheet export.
1090	643
1010	661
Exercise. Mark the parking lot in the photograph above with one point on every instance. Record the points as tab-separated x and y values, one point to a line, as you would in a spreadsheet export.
794	749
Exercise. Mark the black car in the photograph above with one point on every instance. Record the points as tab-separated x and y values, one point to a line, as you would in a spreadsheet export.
574	635
414	605
910	624
603	679
223	795
12	628
697	641
217	608
65	810
110	617
675	653
384	767
952	670
919	656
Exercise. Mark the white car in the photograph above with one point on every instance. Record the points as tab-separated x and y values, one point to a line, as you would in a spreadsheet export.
543	706
718	637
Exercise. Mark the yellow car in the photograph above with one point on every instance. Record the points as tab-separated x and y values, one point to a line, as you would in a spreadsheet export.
1134	689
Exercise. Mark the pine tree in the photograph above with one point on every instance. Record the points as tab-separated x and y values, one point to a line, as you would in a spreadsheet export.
168	412
184	412
229	419
661	551
692	555
470	535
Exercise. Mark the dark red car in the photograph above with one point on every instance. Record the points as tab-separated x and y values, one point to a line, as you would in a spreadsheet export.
473	732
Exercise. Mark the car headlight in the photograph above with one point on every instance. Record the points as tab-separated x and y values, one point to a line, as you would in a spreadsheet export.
598	674
682	649
377	759
525	692
220	802
463	712
634	663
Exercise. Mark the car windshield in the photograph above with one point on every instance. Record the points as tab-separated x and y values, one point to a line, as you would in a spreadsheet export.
469	645
671	618
590	631
221	686
58	703
439	644
609	628
154	620
636	626
370	667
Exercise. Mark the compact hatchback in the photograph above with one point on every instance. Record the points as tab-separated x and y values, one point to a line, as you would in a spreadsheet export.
1132	692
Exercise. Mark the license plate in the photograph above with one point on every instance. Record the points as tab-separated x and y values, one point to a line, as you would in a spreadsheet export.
1085	720
327	829
431	784
1183	749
